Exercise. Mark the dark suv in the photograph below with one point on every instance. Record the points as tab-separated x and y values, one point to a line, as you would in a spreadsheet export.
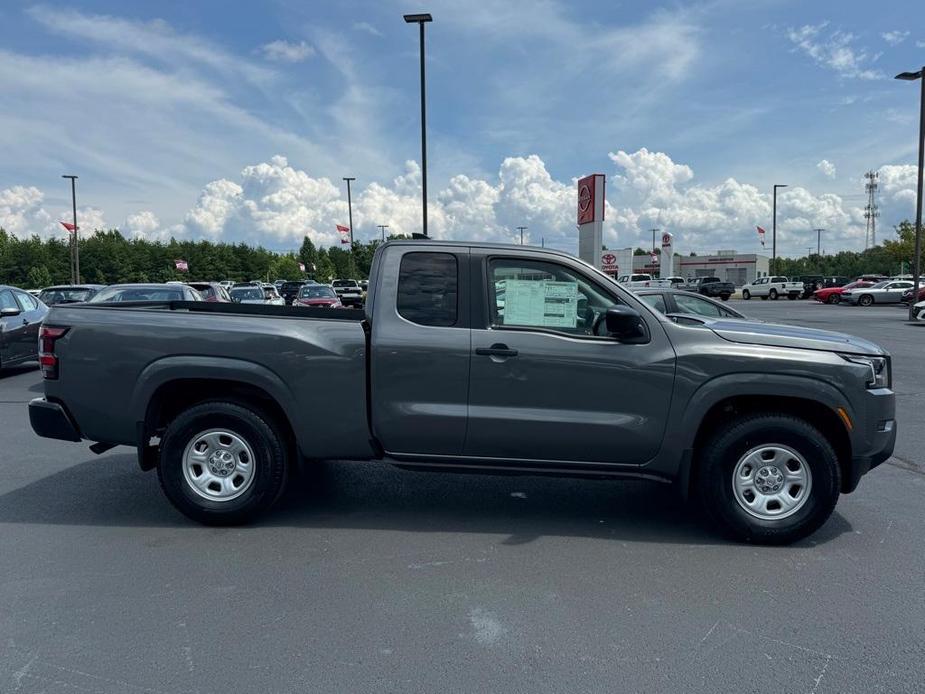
290	290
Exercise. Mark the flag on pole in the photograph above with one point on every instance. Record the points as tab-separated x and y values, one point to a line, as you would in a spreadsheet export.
342	229
181	265
655	257
70	227
761	233
302	267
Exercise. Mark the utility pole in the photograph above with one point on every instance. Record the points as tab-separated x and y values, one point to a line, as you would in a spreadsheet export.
818	240
521	235
774	228
871	210
382	228
350	222
654	231
75	239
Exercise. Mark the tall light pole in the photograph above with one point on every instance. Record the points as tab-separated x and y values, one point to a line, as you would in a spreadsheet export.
818	240
75	240
654	231
521	229
774	227
348	179
382	228
421	20
917	258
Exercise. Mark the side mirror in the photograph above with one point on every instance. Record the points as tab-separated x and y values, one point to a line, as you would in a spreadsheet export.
625	324
7	312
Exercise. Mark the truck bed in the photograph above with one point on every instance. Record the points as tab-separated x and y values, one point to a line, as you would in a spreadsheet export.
114	358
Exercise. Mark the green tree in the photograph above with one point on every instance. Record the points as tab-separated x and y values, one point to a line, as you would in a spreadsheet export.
285	267
38	277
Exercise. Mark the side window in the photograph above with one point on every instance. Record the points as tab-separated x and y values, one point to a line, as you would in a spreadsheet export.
656	301
536	294
694	304
29	304
7	300
428	288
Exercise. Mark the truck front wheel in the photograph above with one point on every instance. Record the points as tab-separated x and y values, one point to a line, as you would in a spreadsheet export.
768	479
222	463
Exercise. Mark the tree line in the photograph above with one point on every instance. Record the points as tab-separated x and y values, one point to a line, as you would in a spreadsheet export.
107	257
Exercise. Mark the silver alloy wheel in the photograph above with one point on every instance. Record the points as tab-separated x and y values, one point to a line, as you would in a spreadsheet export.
772	481
218	465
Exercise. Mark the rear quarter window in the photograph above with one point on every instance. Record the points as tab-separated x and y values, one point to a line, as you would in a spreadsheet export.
428	288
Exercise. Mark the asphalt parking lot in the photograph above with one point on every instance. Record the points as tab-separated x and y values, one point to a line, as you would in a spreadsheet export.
382	580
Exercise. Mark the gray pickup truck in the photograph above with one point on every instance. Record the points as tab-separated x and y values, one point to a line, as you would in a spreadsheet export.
470	357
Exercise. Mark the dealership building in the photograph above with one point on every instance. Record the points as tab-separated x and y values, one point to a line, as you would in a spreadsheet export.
729	266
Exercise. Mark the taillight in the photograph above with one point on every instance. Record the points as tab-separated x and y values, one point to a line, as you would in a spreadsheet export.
48	335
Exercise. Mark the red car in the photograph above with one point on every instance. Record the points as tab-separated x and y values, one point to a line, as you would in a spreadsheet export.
832	295
318	295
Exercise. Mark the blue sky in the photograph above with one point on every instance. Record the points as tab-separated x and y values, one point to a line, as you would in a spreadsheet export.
238	120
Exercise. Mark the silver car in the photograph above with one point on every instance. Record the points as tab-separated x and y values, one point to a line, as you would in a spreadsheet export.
889	292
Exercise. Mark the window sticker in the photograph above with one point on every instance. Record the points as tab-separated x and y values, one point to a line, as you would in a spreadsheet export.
541	303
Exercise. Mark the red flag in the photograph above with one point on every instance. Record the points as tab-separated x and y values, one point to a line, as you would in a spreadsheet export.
67	225
181	265
761	234
342	229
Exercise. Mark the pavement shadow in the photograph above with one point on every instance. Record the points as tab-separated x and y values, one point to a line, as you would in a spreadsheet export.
10	371
111	491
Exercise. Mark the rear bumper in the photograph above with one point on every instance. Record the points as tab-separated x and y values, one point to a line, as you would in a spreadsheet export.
51	421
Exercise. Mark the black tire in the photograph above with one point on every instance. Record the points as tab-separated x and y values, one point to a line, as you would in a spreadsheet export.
772	295
833	299
746	294
270	462
865	300
717	462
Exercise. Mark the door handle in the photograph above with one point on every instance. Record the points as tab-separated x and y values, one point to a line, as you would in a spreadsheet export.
496	350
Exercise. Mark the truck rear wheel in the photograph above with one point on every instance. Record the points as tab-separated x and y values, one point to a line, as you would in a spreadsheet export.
773	295
222	463
768	479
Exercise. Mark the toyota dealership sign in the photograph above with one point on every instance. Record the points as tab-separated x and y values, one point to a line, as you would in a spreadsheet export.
609	262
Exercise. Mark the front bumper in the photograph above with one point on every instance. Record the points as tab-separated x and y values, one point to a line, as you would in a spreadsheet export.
875	436
51	421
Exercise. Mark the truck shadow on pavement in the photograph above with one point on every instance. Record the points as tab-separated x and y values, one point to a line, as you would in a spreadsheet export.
110	491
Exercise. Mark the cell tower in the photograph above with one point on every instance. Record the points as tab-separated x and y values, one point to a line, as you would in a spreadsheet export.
871	210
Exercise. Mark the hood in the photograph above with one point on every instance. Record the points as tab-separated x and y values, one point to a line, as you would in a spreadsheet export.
312	302
776	335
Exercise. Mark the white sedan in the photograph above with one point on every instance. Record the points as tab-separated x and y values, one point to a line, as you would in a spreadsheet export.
919	311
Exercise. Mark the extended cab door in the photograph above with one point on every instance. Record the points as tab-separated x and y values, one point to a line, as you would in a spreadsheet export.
419	361
543	386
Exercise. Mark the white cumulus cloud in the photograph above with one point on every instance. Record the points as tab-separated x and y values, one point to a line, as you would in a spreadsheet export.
827	168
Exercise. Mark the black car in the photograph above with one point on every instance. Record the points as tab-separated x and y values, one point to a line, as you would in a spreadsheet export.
21	316
813	283
290	290
68	293
675	302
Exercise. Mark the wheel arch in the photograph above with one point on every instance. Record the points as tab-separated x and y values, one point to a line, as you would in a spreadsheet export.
819	415
172	385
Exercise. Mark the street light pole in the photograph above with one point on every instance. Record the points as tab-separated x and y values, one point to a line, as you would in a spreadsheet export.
521	235
654	231
382	228
917	258
75	240
421	20
818	240
774	228
348	179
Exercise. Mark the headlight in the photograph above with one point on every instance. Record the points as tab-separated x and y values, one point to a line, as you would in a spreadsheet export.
879	369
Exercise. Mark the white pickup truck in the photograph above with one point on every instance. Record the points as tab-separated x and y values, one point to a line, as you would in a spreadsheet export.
642	280
772	288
